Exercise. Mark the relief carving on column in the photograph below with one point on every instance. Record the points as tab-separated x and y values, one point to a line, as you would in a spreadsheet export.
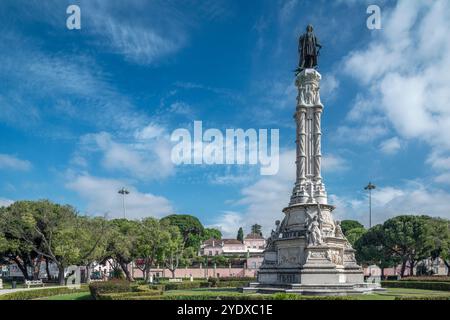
308	85
336	257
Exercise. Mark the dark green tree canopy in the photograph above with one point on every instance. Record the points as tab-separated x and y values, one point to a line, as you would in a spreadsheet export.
256	229
347	225
190	228
240	235
212	233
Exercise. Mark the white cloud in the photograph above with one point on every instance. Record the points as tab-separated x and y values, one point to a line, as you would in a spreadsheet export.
146	157
101	196
9	162
150	131
387	202
143	39
329	86
139	44
39	86
333	163
230	179
390	146
443	178
264	199
5	202
228	223
287	11
360	134
406	71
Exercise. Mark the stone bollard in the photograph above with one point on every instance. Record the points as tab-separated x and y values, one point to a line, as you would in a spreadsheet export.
1	283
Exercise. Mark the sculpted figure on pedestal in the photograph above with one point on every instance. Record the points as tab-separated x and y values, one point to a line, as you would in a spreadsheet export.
338	230
308	47
273	235
314	233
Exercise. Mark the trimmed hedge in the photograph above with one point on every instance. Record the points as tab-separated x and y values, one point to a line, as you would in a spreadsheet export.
232	283
204	284
40	293
113	286
219	296
428	279
436	297
248	279
129	295
430	285
186	285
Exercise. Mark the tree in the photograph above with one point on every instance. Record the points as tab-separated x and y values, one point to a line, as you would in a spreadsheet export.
408	238
440	233
151	240
370	249
49	230
14	249
212	233
173	249
240	235
92	241
122	244
347	225
190	227
354	234
256	229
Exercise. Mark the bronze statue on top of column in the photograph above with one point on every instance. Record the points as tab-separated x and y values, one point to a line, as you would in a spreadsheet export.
309	49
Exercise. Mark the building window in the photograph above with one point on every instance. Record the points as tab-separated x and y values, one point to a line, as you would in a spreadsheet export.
210	253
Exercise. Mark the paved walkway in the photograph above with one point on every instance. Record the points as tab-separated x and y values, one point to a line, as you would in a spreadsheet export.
5	291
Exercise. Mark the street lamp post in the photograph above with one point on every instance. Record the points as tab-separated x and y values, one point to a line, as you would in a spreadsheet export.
123	192
370	187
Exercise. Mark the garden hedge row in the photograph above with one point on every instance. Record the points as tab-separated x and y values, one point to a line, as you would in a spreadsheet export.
428	279
40	293
435	297
214	296
425	285
113	286
129	295
204	284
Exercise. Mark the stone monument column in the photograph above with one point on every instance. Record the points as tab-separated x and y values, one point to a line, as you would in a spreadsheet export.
308	187
307	253
317	145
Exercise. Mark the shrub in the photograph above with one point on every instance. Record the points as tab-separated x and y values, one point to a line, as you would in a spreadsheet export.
158	287
40	293
186	285
425	285
141	288
129	295
429	278
249	279
113	286
420	297
240	296
234	283
213	282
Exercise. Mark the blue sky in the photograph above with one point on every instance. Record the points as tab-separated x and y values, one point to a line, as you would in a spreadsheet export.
85	112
